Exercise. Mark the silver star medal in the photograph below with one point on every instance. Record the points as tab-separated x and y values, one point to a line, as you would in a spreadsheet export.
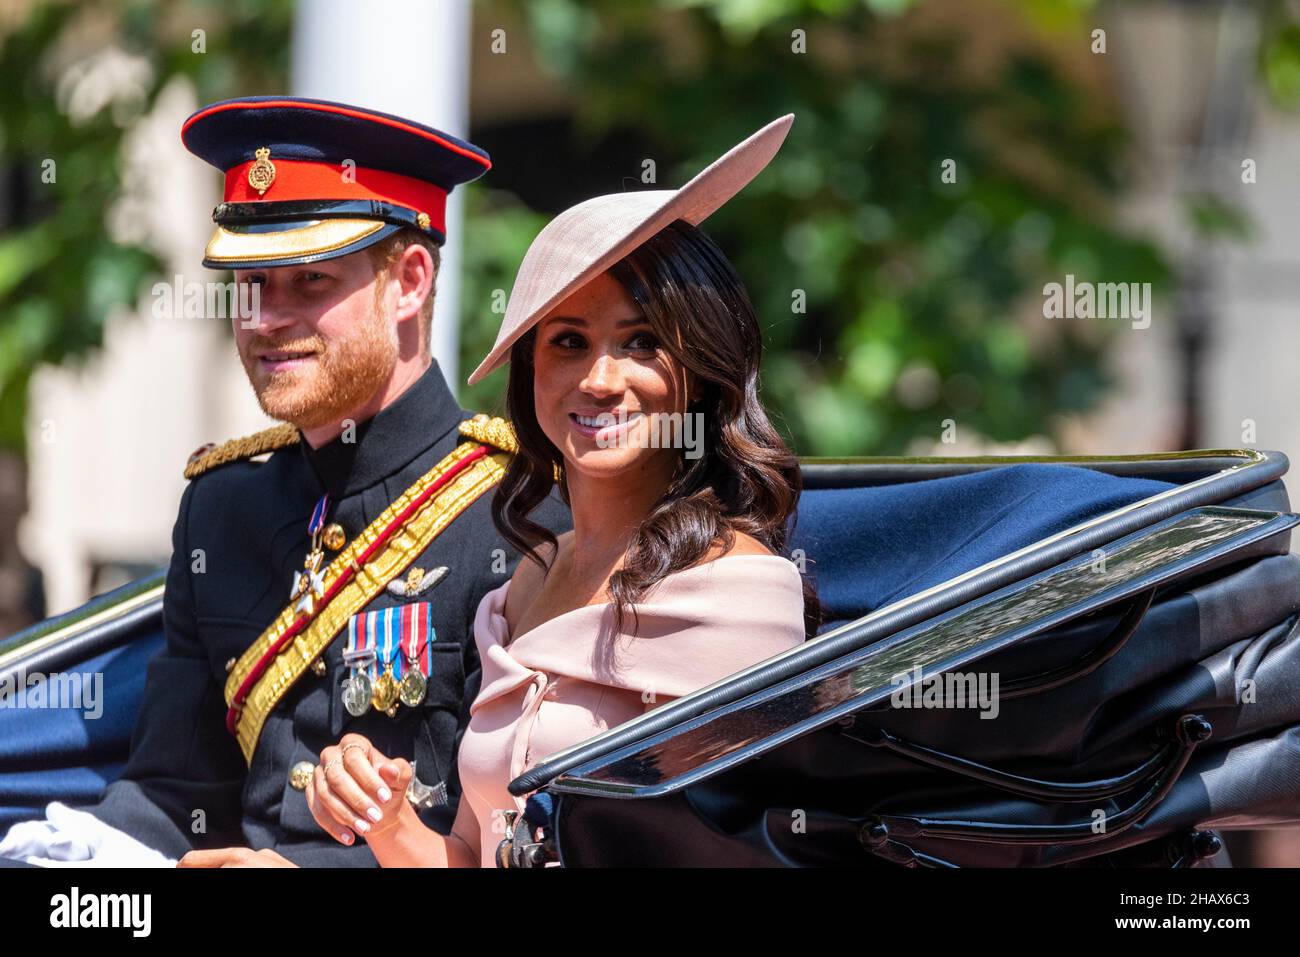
309	584
308	587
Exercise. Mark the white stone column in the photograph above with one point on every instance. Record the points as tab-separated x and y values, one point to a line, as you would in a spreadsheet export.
410	58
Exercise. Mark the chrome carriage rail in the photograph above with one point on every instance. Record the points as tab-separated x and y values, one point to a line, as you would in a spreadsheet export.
659	764
73	636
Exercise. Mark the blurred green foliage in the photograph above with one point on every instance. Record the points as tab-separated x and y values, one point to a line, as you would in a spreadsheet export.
499	231
919	296
75	76
1279	53
923	297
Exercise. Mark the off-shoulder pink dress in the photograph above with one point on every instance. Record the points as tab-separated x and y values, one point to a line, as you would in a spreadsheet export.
572	677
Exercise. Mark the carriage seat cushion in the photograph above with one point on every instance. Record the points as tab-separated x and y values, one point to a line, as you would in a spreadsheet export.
70	754
868	547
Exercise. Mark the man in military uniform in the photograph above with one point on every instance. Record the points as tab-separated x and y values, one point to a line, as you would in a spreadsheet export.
331	587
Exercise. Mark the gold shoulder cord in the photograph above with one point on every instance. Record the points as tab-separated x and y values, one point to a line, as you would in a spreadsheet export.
403	548
259	443
491	430
498	432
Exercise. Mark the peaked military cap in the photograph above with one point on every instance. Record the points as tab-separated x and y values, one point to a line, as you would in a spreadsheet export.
308	180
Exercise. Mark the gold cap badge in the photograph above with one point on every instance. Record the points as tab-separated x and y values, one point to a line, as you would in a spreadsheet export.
262	173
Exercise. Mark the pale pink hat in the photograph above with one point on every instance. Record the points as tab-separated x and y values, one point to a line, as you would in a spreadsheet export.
585	240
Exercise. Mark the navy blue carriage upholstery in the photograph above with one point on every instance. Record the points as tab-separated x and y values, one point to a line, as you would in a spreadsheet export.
869	547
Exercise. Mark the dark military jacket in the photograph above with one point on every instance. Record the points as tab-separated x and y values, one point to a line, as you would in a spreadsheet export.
240	537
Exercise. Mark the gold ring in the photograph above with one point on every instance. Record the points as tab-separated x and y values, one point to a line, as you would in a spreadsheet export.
353	744
333	763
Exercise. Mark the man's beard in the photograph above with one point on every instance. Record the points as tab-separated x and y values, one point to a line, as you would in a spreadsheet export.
336	382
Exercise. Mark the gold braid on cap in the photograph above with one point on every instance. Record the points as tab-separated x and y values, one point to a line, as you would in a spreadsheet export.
491	430
268	440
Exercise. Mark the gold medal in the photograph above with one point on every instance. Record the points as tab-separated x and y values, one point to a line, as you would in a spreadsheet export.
413	686
385	691
334	537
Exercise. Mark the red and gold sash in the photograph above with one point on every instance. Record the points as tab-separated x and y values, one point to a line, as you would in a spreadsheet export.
384	550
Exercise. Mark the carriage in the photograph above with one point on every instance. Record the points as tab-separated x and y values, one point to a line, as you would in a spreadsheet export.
1026	661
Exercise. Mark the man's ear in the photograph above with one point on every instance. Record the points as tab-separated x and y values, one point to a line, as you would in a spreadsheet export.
416	275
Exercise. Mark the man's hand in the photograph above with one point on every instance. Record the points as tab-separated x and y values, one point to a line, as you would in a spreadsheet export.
356	789
234	857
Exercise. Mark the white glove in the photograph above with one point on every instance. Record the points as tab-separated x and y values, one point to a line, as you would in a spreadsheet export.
72	838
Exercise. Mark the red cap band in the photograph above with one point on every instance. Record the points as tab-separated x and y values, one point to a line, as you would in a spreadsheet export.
303	179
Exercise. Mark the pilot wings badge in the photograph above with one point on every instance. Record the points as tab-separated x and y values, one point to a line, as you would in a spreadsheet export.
416	582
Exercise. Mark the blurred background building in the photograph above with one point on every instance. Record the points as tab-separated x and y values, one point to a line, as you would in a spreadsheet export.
949	158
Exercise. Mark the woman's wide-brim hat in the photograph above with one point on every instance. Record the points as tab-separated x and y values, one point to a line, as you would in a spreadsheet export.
587	239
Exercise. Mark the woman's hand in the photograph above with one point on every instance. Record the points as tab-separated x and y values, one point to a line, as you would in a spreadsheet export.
356	789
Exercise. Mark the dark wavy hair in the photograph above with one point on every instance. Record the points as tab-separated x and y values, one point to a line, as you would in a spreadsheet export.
746	479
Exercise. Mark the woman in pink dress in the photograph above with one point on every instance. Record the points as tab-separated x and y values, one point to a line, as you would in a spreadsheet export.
634	357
